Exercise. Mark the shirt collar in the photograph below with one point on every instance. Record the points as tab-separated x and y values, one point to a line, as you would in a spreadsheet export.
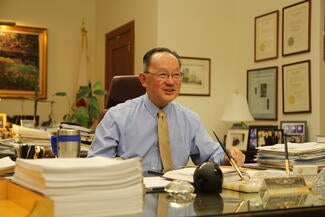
152	108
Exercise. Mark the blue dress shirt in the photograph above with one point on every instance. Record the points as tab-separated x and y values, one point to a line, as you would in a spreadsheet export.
130	130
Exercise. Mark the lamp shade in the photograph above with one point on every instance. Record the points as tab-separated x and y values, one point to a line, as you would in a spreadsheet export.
237	110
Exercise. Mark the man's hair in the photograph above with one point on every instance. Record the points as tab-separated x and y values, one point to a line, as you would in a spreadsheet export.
148	55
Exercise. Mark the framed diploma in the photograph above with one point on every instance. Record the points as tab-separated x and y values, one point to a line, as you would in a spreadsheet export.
296	87
266	36
296	28
262	88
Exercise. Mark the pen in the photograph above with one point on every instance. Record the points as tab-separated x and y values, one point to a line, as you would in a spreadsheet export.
155	172
231	160
286	160
155	189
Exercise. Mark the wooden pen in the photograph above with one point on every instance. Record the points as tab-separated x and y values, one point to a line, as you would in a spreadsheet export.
231	160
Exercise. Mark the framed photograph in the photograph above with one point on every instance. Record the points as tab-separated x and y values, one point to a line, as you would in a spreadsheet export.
294	131
267	137
262	86
256	135
266	36
196	76
3	121
296	28
237	138
296	88
23	62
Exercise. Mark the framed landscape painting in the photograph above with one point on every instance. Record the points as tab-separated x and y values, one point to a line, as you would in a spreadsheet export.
196	76
23	62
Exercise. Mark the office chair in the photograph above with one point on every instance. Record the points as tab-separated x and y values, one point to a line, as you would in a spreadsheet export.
122	88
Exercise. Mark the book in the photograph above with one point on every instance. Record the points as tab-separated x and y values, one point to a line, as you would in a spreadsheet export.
7	165
76	127
85	186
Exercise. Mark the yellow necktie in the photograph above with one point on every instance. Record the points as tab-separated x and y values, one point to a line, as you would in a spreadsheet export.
162	206
163	140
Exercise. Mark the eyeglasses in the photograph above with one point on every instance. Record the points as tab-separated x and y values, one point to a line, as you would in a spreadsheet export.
164	75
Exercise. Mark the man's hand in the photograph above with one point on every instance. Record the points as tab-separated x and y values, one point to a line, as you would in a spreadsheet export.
236	154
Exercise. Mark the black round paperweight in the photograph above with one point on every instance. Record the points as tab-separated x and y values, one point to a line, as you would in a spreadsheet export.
208	177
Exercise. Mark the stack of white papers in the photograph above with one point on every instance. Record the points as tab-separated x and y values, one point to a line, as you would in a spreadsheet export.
28	134
310	153
7	165
85	186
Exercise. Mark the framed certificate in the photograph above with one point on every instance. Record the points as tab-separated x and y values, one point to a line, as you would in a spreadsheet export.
296	87
262	92
266	36
296	28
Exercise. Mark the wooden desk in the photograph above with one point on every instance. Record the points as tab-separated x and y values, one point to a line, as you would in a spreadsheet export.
231	203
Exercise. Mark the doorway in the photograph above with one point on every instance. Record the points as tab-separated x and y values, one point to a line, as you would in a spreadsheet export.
119	52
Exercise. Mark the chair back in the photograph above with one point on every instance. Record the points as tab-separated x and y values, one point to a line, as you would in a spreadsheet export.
122	88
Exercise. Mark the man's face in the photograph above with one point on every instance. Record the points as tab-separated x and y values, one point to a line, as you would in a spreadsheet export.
162	91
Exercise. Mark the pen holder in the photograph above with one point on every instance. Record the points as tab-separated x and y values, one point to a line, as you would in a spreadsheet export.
66	144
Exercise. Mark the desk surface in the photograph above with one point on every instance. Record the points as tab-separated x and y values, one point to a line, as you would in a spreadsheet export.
231	203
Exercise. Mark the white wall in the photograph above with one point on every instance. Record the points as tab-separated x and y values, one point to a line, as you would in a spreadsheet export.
202	30
63	20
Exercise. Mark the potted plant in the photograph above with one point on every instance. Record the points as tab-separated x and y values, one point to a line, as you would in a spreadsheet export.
85	110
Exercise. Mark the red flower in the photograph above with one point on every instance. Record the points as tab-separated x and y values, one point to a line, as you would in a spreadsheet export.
81	103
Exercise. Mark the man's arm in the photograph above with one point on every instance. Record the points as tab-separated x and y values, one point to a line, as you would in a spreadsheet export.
106	138
208	150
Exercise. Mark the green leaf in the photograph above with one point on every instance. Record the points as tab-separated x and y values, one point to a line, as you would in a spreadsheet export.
97	86
60	94
93	106
100	92
82	116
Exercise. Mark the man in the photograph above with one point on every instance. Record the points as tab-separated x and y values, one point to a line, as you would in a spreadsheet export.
130	129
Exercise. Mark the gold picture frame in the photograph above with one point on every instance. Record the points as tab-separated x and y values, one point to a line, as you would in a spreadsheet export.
23	62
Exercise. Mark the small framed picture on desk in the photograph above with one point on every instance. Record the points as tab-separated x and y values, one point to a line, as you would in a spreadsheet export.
3	121
237	138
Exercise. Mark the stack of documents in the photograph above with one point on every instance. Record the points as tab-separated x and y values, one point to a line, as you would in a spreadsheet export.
30	134
85	186
87	134
310	153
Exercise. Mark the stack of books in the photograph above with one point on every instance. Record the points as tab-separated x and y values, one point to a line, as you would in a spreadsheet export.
85	186
309	153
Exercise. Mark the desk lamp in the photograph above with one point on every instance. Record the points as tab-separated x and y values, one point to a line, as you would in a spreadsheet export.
237	111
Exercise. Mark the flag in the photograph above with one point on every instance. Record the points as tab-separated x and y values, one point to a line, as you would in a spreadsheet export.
83	78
